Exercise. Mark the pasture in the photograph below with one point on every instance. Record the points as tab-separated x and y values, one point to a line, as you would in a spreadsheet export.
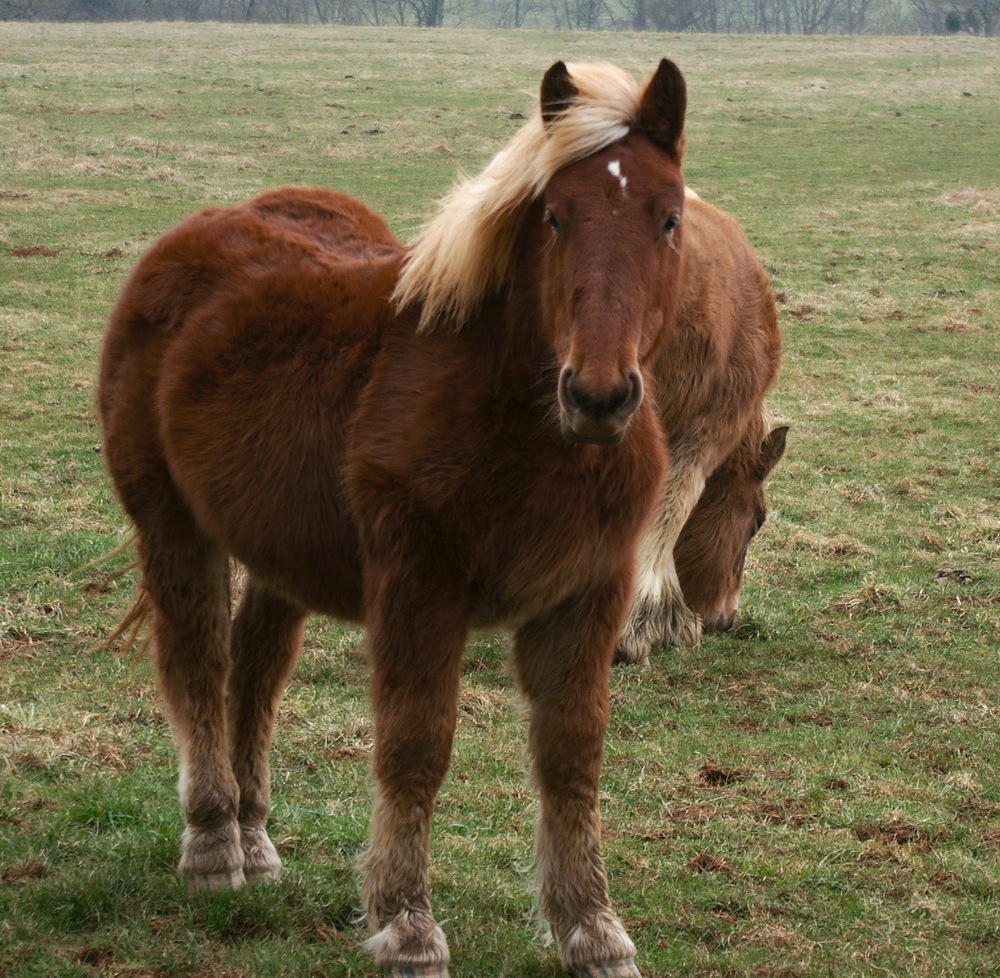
814	793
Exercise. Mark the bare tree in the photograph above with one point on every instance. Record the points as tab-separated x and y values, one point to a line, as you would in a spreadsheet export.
512	13
983	17
812	16
743	16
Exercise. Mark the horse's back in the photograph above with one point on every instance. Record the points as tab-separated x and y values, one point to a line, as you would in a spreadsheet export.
221	248
236	351
333	224
714	238
726	289
727	346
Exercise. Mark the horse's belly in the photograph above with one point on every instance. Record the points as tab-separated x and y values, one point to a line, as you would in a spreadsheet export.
258	457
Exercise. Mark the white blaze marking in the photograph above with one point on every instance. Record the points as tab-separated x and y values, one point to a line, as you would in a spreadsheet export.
615	169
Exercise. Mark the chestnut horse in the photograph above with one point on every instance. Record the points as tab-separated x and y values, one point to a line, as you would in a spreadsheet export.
426	440
713	375
711	550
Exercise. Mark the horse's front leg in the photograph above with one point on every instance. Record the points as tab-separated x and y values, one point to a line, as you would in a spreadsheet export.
659	615
416	637
563	661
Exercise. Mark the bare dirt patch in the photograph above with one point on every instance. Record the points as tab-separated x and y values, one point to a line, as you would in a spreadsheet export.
23	874
899	833
36	251
956	574
17	648
713	776
705	862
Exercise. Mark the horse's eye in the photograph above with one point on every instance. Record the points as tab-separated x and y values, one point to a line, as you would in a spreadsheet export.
669	224
552	221
757	524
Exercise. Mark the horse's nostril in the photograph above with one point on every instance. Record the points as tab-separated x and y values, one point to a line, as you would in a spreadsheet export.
635	390
566	395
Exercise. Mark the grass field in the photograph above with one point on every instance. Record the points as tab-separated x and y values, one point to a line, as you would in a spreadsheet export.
814	794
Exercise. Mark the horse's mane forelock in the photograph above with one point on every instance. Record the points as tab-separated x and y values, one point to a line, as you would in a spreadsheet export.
462	255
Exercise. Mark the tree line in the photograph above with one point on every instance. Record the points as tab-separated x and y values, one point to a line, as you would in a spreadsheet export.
980	17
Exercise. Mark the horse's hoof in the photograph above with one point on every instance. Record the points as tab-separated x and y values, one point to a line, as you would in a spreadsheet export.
416	971
640	635
260	858
607	969
681	627
410	934
633	653
267	874
231	879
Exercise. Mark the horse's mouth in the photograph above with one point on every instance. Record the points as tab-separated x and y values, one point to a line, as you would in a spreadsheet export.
583	431
719	621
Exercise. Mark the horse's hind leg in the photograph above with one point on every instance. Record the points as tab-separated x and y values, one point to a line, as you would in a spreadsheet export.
563	661
267	634
187	580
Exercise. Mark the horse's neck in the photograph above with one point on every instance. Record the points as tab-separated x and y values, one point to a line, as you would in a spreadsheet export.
504	344
699	345
507	332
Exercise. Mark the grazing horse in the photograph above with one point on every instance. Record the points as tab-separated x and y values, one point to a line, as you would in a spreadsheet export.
712	547
425	440
711	381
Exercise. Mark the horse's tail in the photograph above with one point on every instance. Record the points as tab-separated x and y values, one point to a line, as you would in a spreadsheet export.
131	631
131	626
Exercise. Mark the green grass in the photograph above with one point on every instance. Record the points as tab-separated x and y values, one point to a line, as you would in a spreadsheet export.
814	794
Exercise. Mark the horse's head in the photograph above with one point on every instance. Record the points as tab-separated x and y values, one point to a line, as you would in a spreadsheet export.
610	254
711	551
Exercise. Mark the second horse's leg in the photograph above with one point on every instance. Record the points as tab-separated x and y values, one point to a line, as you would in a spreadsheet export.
659	614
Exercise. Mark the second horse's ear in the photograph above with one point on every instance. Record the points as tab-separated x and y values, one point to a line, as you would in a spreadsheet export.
661	112
558	92
772	448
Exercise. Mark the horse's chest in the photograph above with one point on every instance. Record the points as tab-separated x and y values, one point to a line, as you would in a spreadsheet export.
562	529
523	518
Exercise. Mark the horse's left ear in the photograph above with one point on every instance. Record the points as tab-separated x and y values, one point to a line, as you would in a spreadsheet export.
661	112
558	92
772	448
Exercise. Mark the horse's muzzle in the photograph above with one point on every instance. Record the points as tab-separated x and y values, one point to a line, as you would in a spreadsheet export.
599	419
721	620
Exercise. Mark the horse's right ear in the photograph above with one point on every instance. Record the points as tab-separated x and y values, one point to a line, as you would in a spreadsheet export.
558	92
661	112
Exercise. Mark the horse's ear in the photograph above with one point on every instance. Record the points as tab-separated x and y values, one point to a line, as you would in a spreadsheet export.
558	92
661	112
772	448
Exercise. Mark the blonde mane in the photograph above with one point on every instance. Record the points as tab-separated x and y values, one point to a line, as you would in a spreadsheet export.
462	255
